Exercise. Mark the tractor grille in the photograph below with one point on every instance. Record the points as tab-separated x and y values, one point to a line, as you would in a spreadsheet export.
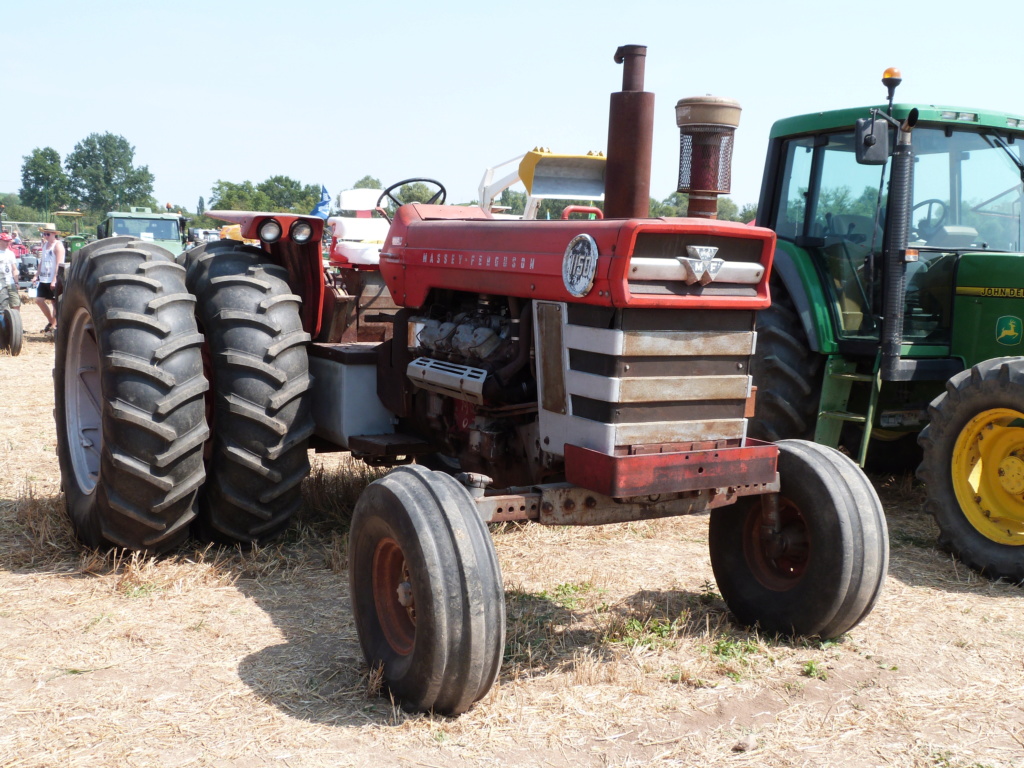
617	380
665	264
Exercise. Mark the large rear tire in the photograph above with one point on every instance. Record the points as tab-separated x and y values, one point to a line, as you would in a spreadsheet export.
129	387
786	372
973	467
426	590
824	573
259	412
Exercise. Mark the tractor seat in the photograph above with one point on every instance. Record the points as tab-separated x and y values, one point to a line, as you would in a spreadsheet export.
357	240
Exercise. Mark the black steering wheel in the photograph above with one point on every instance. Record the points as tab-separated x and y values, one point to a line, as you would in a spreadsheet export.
437	198
928	227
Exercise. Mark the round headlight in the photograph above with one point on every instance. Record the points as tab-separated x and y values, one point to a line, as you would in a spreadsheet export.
301	231
270	231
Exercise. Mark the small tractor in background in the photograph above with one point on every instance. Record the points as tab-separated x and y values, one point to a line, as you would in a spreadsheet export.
166	230
898	306
560	372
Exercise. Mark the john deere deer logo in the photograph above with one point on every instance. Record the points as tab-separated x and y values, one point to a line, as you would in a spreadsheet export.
1008	330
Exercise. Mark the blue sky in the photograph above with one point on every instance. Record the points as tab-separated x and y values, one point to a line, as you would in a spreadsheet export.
327	92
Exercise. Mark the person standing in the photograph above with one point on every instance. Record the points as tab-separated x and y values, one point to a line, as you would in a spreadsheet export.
46	279
9	272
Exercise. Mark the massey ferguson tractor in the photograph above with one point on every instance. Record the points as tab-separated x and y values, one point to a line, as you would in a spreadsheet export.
898	306
571	372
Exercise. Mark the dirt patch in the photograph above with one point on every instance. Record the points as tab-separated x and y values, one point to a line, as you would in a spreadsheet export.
620	650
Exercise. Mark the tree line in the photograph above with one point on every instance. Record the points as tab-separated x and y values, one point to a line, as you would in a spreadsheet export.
100	175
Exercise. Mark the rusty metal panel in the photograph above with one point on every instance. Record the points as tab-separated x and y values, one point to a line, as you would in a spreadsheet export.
674	343
509	508
686	343
624	476
571	505
658	432
567	504
658	388
550	357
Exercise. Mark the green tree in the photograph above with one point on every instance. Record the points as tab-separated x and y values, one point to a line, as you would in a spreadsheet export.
201	208
674	205
287	194
417	192
748	212
228	196
13	210
514	200
44	185
727	209
367	182
102	175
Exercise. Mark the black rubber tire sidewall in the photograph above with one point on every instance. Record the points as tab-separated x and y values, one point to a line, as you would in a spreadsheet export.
848	550
996	383
260	391
11	335
153	425
460	609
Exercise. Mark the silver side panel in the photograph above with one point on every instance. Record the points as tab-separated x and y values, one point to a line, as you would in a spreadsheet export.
345	402
555	337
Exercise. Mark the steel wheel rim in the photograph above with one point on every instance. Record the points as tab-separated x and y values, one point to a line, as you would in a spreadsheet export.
392	587
987	468
83	401
776	571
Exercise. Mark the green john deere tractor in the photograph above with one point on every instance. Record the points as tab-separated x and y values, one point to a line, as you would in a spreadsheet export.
897	319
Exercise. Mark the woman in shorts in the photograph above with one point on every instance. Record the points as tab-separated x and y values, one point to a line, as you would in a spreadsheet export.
46	279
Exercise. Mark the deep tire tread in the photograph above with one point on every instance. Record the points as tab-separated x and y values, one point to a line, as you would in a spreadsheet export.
786	372
995	383
258	358
151	417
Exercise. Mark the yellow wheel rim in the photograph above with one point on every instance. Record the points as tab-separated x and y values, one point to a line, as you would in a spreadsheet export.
988	474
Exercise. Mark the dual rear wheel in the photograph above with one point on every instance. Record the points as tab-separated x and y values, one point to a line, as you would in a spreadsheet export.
139	386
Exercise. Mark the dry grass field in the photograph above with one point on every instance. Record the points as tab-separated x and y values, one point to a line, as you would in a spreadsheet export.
620	652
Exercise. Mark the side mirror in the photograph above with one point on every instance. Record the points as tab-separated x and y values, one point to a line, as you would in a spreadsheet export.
871	141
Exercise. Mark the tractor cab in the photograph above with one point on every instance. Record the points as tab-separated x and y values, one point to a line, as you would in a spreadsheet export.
966	199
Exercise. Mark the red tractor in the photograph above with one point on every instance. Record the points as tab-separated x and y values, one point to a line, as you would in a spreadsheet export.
573	372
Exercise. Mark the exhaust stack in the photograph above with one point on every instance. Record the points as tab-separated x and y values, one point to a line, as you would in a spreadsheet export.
707	125
627	180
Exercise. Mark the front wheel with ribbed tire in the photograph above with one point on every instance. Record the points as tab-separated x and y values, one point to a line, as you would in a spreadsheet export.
973	467
426	590
819	569
128	397
786	372
258	407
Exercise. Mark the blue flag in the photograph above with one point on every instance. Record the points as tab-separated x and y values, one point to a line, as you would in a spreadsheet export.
323	208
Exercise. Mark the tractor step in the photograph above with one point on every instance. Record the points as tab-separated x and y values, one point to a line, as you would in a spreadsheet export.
857	418
841	376
865	377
